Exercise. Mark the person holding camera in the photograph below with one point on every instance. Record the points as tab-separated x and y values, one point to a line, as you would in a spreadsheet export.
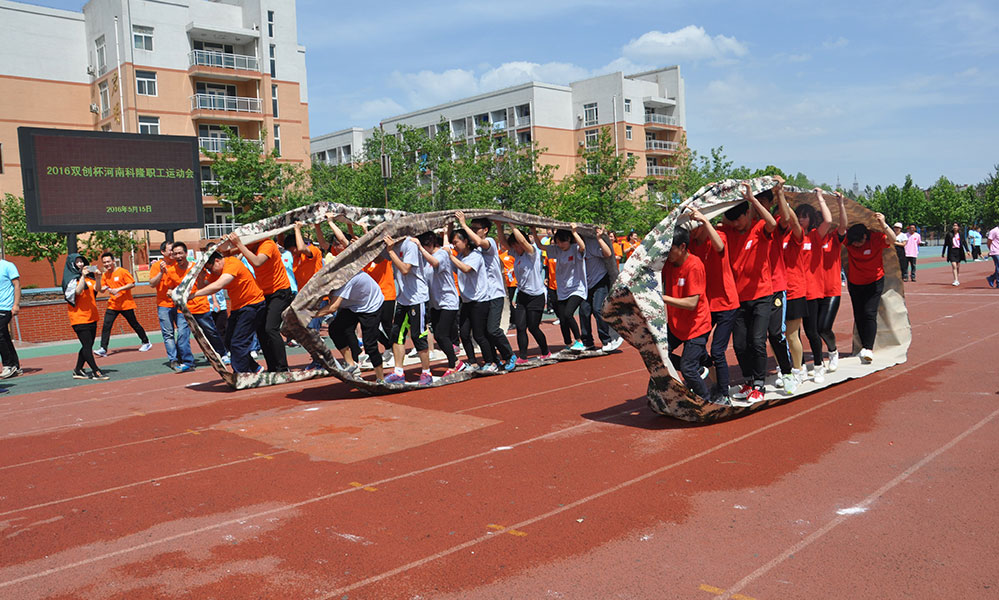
79	283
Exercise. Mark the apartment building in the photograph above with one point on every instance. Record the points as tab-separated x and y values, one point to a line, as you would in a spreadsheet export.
183	67
645	113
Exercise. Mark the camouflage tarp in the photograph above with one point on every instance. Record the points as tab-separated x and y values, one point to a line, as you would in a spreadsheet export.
636	310
252	232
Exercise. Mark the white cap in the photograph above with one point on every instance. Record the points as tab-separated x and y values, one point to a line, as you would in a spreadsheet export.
897	225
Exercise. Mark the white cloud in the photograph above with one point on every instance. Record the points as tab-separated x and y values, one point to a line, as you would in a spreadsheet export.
512	73
837	43
374	110
689	44
428	88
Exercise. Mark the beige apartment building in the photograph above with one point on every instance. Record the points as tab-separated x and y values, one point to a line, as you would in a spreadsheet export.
184	67
644	111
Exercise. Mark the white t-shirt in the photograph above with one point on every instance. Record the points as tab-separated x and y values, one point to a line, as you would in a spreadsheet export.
493	270
570	271
360	295
596	268
411	288
443	291
472	285
529	270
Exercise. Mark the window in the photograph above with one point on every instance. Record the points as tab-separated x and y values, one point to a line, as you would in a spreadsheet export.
591	138
270	23
627	105
524	137
274	101
106	127
102	88
145	83
102	59
630	154
142	37
590	114
149	125
591	167
627	132
273	63
277	139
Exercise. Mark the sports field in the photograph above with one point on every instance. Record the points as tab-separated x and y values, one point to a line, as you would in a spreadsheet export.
556	482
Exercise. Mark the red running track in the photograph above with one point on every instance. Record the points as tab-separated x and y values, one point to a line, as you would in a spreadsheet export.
552	483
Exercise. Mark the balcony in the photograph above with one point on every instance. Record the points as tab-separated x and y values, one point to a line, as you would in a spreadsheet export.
656	146
660	171
221	144
233	108
524	121
209	187
655	119
214	231
223	60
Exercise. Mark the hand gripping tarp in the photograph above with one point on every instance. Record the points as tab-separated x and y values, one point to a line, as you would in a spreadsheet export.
635	307
254	232
358	254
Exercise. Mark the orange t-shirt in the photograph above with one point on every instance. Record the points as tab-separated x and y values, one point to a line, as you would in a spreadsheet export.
508	276
381	271
552	283
117	278
307	266
167	283
243	289
271	276
197	306
85	310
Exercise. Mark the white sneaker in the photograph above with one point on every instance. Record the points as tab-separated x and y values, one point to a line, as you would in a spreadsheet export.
779	380
613	344
790	384
867	356
956	283
145	347
254	355
819	374
411	353
800	375
833	361
101	352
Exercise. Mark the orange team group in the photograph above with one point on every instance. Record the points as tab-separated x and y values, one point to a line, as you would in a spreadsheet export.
766	273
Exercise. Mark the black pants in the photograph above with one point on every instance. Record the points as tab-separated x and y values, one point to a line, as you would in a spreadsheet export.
552	301
690	361
343	332
776	330
976	252
900	252
109	317
593	305
565	311
7	350
749	338
87	333
818	322
493	329
910	261
527	313
385	317
221	319
239	331
472	318
722	321
865	300
443	323
269	334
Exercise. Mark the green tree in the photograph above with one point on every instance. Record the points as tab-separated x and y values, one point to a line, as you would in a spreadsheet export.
913	208
18	241
947	205
990	199
118	243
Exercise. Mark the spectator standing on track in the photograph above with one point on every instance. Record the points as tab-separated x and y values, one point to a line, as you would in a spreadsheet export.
912	243
272	278
687	313
993	237
118	283
246	306
954	249
162	280
79	288
10	306
900	239
200	310
866	279
975	242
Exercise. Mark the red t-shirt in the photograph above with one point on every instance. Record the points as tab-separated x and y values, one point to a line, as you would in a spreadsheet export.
794	270
683	281
865	264
748	254
810	260
832	265
271	276
777	238
721	291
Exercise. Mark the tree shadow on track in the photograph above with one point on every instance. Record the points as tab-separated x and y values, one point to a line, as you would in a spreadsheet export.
636	413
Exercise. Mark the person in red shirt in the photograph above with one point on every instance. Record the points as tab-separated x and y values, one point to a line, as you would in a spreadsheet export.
815	226
688	316
118	283
272	278
246	306
749	256
709	245
78	287
829	273
162	280
865	279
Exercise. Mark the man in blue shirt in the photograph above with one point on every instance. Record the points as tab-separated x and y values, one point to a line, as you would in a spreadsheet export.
10	305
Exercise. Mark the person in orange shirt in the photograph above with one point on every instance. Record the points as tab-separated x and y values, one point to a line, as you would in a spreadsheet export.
198	306
246	306
308	257
79	288
162	280
118	283
268	268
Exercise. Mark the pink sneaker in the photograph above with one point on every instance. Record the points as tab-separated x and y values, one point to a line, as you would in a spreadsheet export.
546	356
426	379
522	361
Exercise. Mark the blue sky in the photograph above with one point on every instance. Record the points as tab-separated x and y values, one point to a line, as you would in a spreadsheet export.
878	88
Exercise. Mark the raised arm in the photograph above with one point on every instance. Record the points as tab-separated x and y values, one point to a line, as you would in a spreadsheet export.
255	260
579	241
605	250
501	236
538	238
476	240
843	221
427	256
768	219
787	215
888	231
826	224
299	240
394	256
338	234
709	229
320	236
528	246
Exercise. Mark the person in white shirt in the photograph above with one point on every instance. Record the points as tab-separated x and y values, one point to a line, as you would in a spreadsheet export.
900	239
359	301
568	250
530	299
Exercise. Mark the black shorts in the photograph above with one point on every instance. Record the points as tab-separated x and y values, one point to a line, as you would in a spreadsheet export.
796	309
955	255
411	320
